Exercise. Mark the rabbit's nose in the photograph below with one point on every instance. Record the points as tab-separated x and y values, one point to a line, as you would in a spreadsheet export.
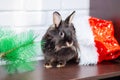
69	44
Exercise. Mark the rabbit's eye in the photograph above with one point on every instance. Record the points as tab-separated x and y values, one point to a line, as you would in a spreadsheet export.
61	34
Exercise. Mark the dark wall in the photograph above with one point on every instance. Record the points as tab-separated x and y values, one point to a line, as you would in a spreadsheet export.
105	9
108	10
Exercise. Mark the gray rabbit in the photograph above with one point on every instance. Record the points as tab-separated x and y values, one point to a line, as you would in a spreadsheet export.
60	42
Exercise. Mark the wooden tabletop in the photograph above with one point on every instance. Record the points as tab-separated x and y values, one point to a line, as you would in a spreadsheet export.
70	72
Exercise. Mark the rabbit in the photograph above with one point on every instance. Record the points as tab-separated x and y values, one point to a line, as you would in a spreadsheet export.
60	42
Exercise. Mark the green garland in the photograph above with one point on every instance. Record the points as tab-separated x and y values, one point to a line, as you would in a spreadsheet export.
17	50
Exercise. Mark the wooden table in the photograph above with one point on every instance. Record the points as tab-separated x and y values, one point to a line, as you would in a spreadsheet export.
70	72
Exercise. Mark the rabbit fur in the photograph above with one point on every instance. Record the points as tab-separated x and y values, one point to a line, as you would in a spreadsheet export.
61	44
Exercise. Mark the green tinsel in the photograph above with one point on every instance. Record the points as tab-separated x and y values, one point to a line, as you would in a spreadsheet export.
17	50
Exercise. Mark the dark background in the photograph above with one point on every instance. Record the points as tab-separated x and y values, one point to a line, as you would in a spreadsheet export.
105	9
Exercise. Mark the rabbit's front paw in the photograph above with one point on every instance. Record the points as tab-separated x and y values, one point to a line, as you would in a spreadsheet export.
61	64
48	65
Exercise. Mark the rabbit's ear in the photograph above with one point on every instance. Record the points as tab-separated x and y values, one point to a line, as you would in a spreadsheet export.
56	18
70	18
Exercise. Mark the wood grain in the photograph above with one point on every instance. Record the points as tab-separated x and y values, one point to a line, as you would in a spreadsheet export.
70	72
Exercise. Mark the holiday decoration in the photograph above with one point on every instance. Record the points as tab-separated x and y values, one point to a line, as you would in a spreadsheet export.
107	46
17	50
97	41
